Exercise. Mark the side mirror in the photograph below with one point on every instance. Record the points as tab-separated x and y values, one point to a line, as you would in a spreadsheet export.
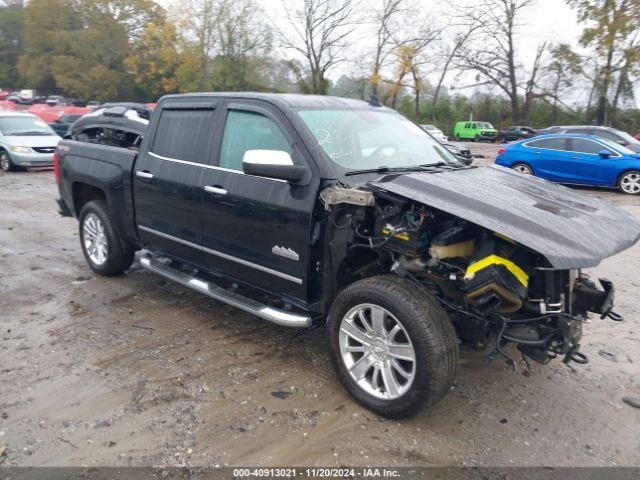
272	164
604	153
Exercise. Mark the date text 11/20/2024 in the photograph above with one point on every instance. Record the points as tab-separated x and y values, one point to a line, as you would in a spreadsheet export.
317	472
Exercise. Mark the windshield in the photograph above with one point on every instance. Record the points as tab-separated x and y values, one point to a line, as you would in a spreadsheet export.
485	125
366	139
24	126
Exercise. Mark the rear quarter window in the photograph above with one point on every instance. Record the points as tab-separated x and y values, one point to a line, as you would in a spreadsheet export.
184	134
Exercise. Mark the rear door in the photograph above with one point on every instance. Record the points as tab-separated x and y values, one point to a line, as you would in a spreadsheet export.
257	229
168	177
549	158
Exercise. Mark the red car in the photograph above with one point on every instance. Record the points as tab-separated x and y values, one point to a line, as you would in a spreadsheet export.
7	105
637	137
4	94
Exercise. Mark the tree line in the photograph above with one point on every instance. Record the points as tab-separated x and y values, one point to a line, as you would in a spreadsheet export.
410	59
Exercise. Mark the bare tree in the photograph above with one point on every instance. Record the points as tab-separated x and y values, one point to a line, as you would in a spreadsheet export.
494	58
321	28
412	51
560	74
384	38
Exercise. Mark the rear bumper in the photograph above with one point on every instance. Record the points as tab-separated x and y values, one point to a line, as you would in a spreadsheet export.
63	210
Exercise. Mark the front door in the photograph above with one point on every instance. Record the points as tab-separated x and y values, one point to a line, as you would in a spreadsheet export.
591	168
168	176
257	229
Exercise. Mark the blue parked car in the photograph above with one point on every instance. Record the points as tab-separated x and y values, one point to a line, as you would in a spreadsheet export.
576	160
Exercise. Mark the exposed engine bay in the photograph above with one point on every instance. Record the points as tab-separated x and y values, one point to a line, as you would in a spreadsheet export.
495	289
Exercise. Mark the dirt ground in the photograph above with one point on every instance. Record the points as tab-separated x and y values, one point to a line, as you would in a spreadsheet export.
132	370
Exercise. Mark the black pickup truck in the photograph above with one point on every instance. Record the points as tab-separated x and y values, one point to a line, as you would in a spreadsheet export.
302	209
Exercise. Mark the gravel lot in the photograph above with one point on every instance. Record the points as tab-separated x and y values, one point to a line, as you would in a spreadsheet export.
132	370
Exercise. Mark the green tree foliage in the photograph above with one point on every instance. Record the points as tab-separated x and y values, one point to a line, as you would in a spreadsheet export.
154	60
79	46
613	31
225	45
11	28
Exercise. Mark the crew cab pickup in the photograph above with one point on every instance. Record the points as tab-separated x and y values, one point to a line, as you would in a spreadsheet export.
302	209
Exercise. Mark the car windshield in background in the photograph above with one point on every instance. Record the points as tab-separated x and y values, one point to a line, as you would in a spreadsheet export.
617	147
485	125
365	139
626	137
24	126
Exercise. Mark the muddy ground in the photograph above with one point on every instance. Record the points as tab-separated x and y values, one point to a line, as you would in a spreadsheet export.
132	370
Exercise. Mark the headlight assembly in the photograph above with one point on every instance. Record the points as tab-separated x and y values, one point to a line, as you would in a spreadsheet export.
20	149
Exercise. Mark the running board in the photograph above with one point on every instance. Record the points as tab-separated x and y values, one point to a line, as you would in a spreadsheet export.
234	299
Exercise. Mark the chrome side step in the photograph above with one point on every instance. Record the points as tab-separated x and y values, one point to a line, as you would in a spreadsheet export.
232	298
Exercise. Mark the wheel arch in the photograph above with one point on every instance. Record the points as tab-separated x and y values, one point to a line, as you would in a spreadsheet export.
84	193
623	173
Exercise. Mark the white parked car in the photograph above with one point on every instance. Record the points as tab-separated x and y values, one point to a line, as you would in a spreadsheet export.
27	96
435	132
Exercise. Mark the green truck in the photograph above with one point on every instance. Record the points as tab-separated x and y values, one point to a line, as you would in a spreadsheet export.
476	131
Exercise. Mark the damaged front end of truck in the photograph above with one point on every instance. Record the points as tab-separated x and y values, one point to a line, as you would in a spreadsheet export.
503	253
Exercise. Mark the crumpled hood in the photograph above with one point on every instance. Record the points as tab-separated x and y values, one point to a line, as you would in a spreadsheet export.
570	229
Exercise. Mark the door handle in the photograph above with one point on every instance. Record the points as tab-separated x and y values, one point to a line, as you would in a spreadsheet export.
144	174
215	190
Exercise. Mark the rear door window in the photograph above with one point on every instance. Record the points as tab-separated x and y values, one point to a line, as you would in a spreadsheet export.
549	143
184	134
245	131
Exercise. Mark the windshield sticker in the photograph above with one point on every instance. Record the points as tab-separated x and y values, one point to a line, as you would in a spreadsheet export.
325	135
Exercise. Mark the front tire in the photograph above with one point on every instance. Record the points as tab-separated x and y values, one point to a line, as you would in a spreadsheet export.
100	243
522	168
393	347
629	182
6	165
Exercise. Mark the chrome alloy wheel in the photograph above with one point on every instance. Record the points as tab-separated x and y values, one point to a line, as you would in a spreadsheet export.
630	183
521	168
377	351
95	239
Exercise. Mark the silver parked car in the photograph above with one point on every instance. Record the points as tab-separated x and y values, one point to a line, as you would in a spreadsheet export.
25	141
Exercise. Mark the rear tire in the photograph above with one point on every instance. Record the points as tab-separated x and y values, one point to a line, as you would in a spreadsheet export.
101	245
522	168
6	165
629	182
392	374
